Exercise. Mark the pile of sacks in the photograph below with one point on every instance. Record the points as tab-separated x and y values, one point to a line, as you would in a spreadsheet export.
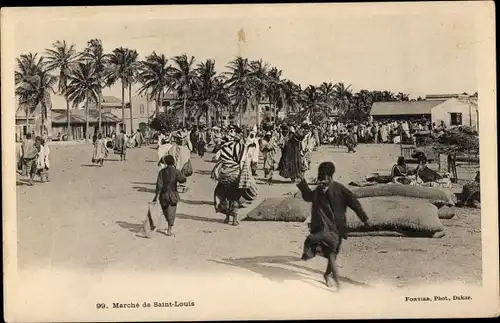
408	210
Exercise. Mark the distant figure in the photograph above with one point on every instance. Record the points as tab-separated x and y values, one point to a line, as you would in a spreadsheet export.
290	165
139	138
121	145
269	149
42	161
29	153
100	151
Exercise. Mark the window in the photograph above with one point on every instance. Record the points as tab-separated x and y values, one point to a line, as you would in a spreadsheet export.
141	109
455	119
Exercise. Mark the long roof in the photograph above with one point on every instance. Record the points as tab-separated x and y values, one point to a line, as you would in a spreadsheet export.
403	107
78	116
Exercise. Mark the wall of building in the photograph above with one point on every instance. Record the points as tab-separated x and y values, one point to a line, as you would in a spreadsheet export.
443	111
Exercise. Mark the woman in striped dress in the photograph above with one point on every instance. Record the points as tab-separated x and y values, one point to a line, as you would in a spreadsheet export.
227	173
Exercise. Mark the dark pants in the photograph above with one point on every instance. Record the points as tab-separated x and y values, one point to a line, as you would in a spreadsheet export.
169	211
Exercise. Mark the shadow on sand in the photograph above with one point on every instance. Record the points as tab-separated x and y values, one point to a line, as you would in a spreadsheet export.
199	218
266	267
22	183
89	165
135	228
144	189
143	183
194	202
203	172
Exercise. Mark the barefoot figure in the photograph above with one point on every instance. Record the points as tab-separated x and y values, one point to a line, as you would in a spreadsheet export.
328	218
166	190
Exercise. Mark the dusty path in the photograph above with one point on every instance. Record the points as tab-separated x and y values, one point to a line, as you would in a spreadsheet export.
89	218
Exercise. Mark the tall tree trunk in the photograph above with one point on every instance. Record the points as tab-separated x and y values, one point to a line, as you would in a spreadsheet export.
27	122
257	113
184	110
123	106
87	119
241	115
130	105
43	119
99	103
158	100
68	116
207	116
147	106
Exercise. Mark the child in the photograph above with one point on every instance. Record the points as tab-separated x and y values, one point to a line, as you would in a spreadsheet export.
328	220
166	190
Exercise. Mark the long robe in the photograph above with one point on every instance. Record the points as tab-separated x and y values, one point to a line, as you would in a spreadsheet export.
181	155
291	161
121	144
383	133
269	150
100	150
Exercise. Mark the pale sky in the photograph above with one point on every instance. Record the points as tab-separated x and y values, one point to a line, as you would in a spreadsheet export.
413	51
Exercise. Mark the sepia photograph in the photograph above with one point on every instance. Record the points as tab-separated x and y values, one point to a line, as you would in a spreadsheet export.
227	162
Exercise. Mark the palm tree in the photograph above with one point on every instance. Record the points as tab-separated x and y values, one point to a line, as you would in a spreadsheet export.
313	104
155	75
34	86
259	78
210	94
328	94
84	87
276	90
132	78
184	78
27	66
291	96
402	97
120	66
343	96
94	54
62	57
240	84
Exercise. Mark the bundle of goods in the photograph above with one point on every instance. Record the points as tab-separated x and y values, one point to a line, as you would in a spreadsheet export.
281	209
446	213
458	139
411	217
471	194
436	196
467	158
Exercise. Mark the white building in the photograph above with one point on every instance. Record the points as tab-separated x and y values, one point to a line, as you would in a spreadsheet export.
456	112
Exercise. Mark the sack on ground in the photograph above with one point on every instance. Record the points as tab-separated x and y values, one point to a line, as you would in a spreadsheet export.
280	209
411	216
437	196
446	212
153	218
187	169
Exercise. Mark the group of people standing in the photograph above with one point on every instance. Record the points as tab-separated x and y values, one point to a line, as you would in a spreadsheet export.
33	159
382	131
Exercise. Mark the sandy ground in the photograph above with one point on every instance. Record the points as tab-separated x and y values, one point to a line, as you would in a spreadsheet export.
91	218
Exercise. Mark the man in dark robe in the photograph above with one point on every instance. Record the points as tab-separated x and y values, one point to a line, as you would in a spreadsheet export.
328	218
291	159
